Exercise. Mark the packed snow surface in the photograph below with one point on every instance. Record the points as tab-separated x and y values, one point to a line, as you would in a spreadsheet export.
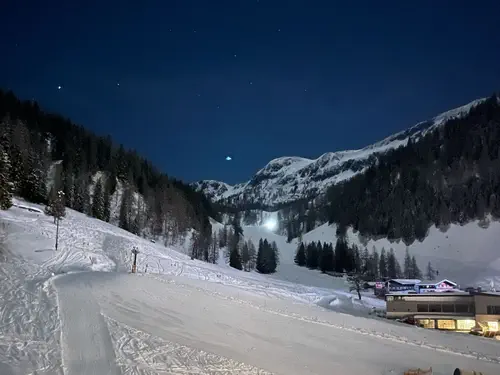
80	311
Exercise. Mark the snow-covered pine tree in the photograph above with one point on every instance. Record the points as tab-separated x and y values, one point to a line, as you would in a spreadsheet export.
125	208
106	213
33	186
98	201
5	183
56	206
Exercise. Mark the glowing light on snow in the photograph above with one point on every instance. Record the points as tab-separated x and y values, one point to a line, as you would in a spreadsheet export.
270	224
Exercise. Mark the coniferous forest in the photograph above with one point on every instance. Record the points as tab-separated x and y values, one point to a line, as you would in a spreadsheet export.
346	258
35	144
451	175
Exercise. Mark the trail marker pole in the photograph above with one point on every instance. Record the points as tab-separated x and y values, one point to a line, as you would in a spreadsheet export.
57	231
135	251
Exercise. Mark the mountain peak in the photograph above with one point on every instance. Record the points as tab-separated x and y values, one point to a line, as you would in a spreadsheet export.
290	178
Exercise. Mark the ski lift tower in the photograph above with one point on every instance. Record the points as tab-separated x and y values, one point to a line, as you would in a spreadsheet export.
135	251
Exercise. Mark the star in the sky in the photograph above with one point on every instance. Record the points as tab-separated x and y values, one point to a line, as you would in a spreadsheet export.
118	84
234	55
251	82
59	87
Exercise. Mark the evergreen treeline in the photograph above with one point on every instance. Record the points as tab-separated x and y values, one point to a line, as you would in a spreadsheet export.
346	258
243	255
451	175
31	143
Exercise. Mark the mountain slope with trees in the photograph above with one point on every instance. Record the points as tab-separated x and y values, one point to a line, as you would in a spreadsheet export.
38	149
450	175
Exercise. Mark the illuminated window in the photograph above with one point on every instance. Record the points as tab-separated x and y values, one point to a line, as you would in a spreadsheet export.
465	325
427	323
493	326
446	324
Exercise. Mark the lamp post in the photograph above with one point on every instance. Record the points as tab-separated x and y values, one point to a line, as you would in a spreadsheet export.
135	251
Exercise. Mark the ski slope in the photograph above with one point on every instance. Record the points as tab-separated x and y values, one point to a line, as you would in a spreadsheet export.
466	254
79	311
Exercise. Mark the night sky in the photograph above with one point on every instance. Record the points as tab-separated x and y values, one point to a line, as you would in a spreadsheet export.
188	82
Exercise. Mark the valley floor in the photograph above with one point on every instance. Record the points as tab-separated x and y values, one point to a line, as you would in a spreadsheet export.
60	314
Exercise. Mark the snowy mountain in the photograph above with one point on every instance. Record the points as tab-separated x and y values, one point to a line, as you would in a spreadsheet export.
288	179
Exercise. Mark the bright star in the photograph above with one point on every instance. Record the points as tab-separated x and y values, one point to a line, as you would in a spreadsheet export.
59	87
228	158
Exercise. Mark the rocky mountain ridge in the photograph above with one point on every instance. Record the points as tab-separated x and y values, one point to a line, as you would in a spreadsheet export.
291	178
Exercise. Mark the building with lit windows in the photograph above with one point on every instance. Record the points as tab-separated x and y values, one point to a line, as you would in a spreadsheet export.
455	311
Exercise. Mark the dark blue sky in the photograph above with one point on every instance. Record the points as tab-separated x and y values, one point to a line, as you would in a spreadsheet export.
255	79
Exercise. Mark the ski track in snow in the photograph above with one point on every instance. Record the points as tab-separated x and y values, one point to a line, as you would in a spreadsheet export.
189	317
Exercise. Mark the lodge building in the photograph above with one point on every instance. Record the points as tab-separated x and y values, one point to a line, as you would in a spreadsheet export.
456	311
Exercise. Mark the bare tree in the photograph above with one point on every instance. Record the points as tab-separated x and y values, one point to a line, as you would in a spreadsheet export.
355	284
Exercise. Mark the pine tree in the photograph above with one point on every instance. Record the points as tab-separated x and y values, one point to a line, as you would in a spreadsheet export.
266	257
365	261
98	201
252	252
374	264
68	187
33	186
392	267
274	256
416	273
408	272
234	257
343	257
383	264
5	183
245	256
56	207
106	213
237	230
327	259
125	208
300	255
430	273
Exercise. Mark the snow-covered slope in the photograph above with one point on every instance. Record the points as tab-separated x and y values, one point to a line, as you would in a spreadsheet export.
288	179
78	311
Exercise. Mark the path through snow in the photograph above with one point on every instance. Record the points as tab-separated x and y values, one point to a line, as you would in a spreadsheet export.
191	318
